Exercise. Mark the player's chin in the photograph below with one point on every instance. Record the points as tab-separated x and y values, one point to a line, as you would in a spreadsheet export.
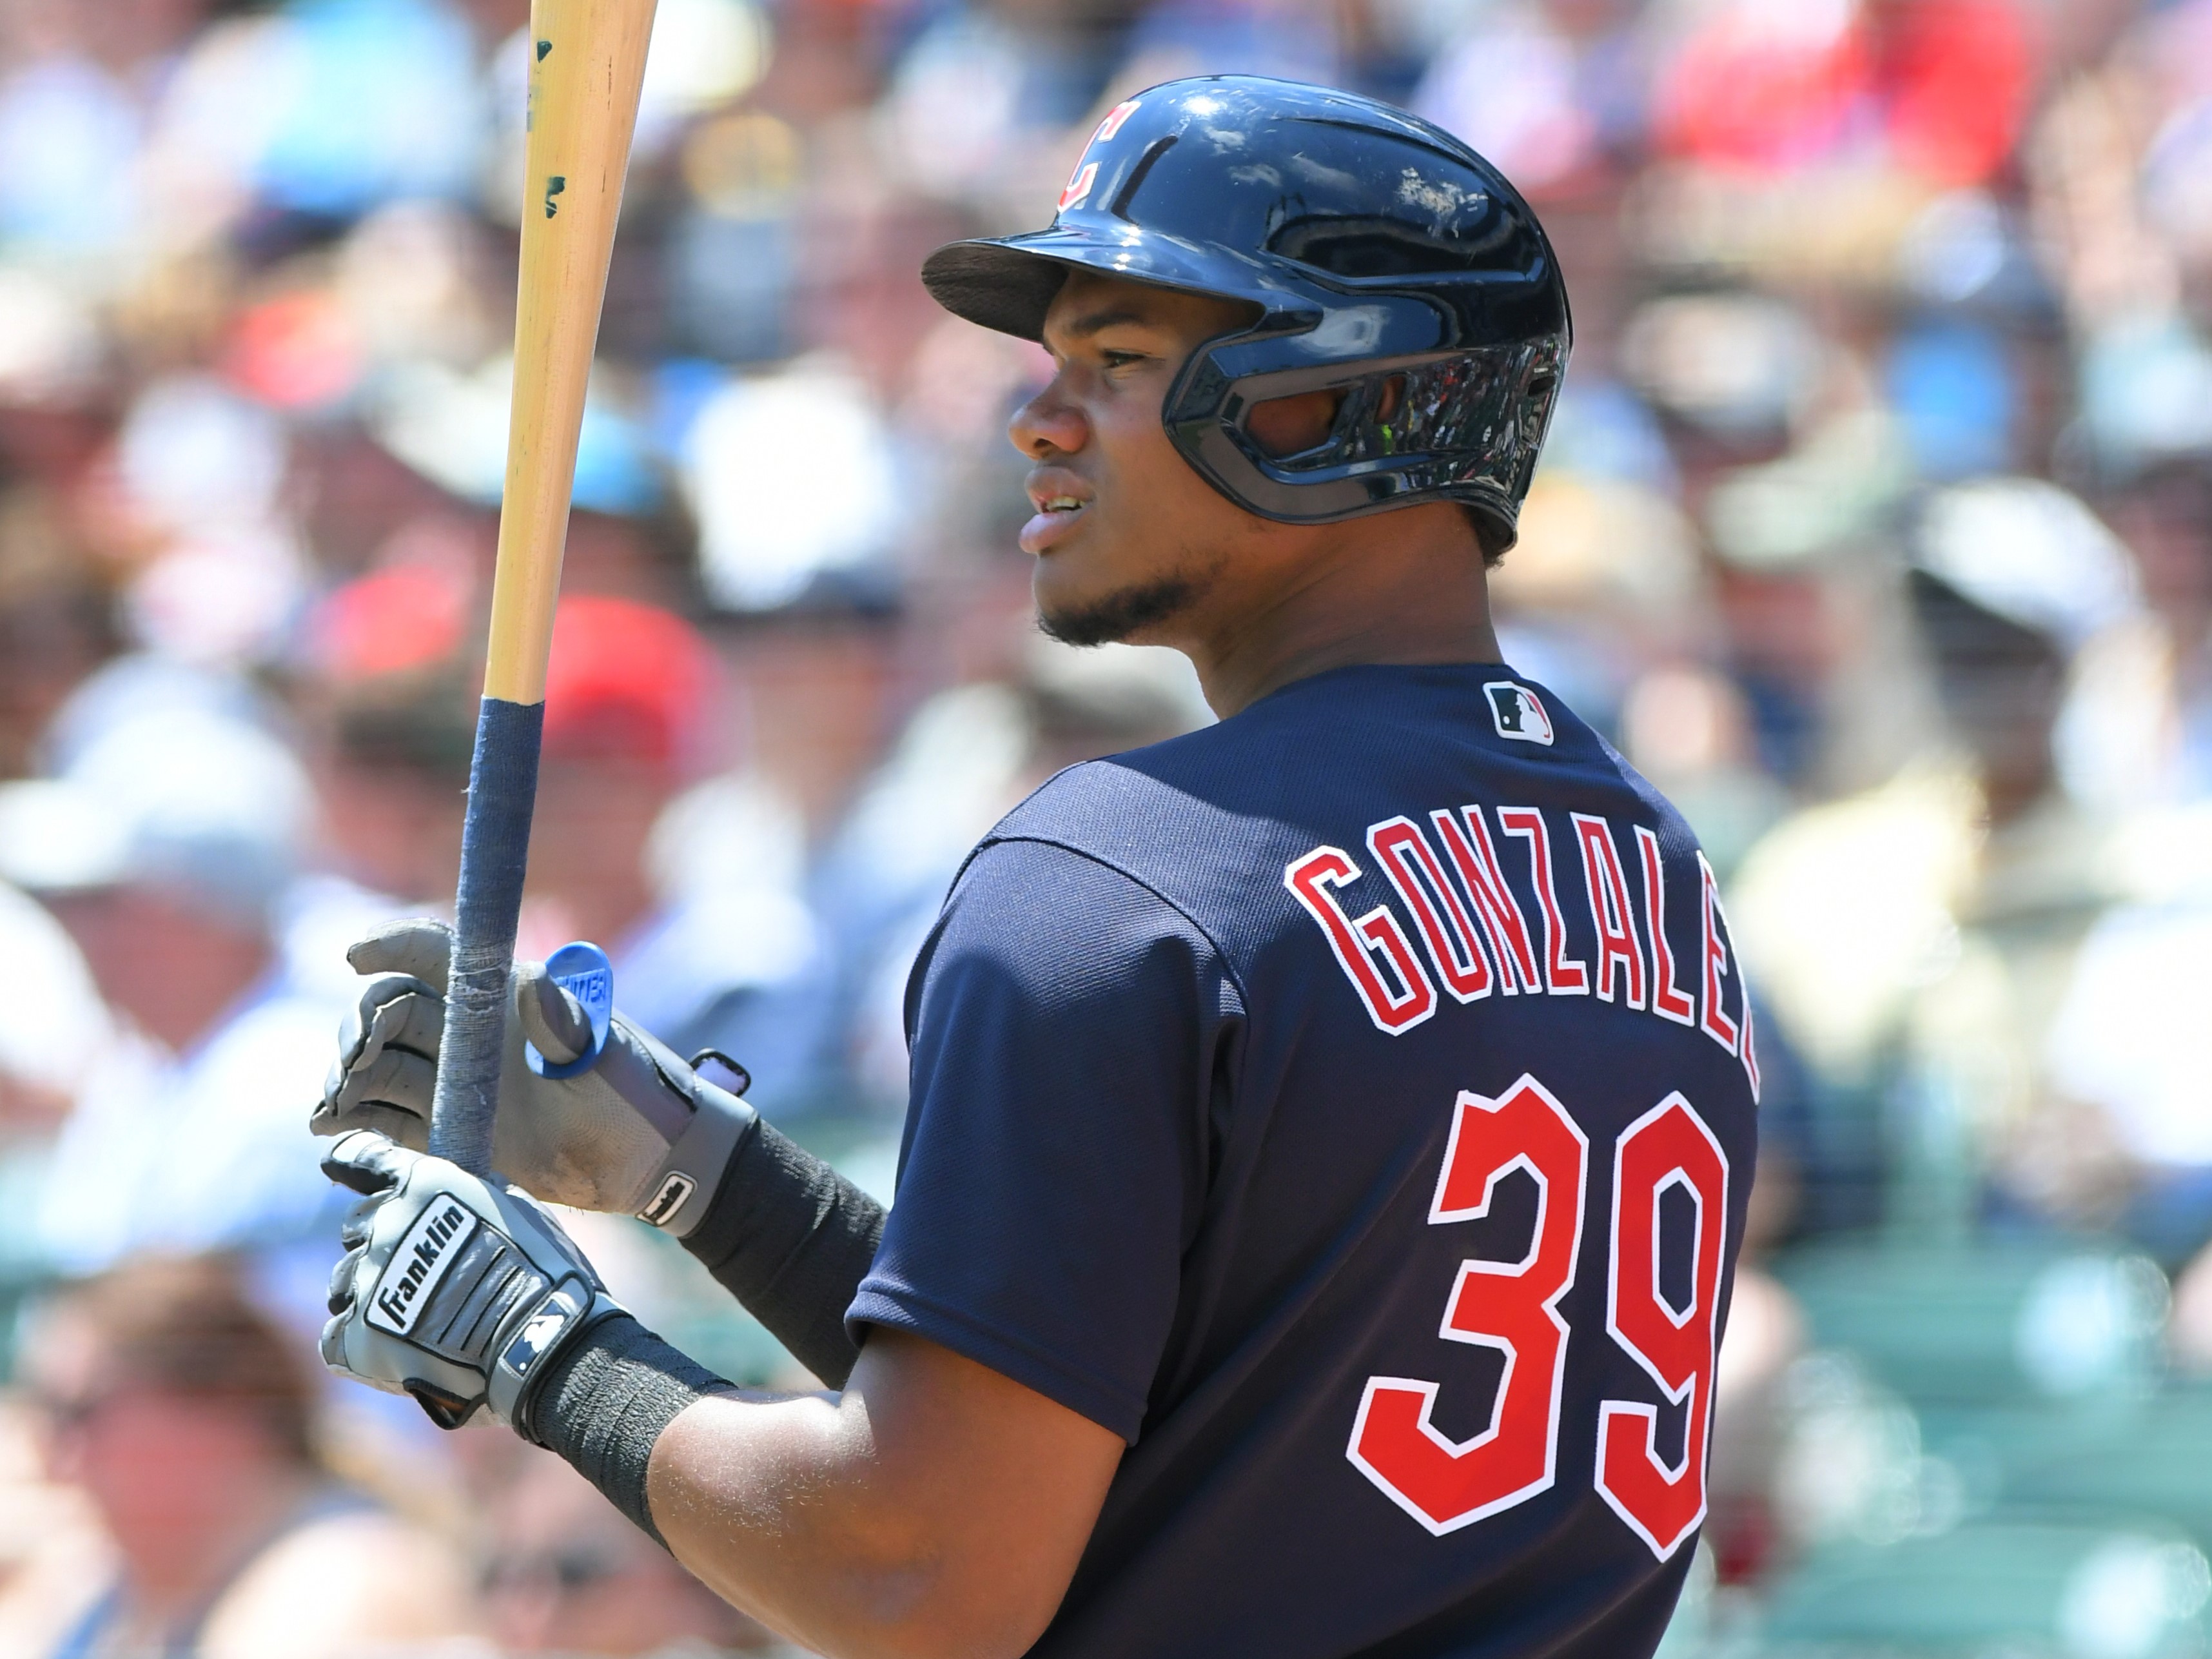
1133	613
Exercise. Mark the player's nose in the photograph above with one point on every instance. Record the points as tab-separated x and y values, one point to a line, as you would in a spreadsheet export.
1048	424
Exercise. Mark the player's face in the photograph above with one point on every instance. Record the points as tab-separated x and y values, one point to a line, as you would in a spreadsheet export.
1129	538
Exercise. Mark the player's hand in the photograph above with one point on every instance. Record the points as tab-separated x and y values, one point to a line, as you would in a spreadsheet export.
636	1130
456	1290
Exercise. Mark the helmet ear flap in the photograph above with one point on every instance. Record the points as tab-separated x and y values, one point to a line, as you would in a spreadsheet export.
1463	425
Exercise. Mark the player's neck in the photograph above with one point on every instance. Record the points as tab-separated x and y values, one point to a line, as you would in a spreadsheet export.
1398	588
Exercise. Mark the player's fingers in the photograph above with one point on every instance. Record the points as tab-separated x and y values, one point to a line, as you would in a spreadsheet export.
411	1016
408	1128
359	1221
333	1342
553	1020
367	1162
396	1010
394	1078
340	1296
422	947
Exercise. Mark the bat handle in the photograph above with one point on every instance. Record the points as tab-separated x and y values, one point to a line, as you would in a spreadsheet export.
494	849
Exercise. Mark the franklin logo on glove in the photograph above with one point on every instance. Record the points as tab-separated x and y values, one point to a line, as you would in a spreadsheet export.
422	1260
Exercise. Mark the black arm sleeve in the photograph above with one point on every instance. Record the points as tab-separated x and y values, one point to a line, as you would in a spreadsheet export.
603	1404
792	1239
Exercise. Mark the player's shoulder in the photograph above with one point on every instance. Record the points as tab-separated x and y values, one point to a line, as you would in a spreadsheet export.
1134	809
1337	741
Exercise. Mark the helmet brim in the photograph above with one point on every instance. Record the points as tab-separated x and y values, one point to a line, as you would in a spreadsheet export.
1008	282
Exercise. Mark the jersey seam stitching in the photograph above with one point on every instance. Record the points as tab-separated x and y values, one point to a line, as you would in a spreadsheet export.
1228	967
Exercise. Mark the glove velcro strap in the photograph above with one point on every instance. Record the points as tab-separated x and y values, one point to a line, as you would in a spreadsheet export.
532	1345
681	1191
603	1402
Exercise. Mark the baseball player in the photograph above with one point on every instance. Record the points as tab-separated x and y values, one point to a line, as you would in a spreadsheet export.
1330	1130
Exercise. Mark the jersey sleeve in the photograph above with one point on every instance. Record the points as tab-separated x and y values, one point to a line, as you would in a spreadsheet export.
1064	1022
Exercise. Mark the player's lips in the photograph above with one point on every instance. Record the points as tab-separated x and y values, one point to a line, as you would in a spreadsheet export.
1061	499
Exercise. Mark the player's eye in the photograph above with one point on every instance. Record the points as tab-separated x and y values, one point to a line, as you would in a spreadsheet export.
1112	359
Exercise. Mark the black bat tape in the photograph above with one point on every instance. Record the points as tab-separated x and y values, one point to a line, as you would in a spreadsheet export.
494	849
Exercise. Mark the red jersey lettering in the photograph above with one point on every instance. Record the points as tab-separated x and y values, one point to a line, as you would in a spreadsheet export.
1418	875
1564	975
1357	943
1619	956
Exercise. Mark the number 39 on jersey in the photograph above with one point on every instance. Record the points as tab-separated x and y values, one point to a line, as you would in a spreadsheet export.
1513	1307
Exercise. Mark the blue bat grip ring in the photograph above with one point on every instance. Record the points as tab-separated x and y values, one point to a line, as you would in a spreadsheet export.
584	972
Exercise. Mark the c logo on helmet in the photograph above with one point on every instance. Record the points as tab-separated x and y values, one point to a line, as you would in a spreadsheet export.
1080	181
1079	185
1112	125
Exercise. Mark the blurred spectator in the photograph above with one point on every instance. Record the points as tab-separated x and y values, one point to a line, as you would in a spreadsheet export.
2119	1045
630	705
2164	512
965	758
51	1024
380	685
1765	1335
1689	732
166	847
56	625
1548	92
188	1419
799	490
1916	940
567	1574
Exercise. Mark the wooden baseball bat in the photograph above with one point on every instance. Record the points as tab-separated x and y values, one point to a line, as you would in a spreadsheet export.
587	62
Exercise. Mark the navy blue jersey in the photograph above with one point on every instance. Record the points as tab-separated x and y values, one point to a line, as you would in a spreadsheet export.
1349	1105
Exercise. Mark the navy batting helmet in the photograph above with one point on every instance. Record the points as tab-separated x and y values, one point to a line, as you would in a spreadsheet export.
1388	262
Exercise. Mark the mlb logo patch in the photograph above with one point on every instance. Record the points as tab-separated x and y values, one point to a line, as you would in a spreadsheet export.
1518	713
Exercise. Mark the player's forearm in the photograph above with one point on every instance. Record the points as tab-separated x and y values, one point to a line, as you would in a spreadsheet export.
824	1519
783	1508
776	1502
934	1507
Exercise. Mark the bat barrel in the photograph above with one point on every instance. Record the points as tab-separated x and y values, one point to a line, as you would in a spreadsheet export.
494	849
587	62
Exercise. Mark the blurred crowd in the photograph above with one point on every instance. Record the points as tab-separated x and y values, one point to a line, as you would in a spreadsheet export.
1875	527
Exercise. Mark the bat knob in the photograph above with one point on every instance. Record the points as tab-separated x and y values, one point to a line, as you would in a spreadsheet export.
583	971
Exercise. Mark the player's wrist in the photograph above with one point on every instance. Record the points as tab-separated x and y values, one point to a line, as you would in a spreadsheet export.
564	1319
603	1402
680	1191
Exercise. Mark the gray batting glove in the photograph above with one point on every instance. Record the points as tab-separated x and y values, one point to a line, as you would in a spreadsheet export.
453	1290
637	1132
